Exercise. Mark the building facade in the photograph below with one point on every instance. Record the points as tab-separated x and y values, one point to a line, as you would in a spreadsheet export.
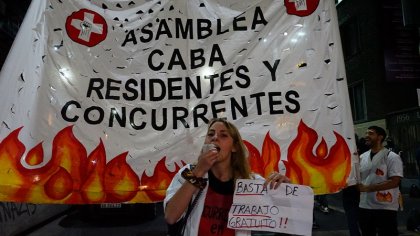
381	46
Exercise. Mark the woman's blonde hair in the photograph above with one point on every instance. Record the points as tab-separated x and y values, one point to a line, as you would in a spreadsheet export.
239	159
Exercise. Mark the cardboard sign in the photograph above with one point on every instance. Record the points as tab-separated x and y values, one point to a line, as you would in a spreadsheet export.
287	209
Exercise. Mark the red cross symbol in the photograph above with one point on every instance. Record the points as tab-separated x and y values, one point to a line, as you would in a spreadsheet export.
301	7
86	27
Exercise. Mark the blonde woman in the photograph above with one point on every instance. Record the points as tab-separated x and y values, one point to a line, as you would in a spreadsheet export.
222	161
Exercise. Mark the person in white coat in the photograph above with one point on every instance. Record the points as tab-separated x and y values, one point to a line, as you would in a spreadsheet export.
381	171
222	161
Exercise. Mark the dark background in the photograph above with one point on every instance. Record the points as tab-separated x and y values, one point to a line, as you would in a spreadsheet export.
12	13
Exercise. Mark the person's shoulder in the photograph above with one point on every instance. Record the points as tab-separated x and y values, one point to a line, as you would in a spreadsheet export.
393	157
393	154
365	154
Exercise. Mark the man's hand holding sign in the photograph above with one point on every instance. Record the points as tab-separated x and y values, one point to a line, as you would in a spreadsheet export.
287	209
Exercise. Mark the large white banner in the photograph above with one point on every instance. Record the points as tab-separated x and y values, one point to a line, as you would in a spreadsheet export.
103	101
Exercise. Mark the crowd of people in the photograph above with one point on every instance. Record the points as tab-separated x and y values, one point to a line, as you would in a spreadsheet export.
371	205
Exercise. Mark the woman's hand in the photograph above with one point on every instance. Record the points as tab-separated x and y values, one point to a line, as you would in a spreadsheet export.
206	160
275	179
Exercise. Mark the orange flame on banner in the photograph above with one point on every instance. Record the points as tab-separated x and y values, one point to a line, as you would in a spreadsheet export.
70	176
121	182
268	161
73	177
159	182
325	172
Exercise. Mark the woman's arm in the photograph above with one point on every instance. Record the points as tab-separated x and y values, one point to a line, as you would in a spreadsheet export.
178	204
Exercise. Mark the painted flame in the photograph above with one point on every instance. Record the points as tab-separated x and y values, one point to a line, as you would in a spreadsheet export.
159	181
268	161
379	172
384	196
326	171
70	176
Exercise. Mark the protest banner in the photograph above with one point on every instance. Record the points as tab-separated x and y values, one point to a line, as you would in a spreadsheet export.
287	209
104	101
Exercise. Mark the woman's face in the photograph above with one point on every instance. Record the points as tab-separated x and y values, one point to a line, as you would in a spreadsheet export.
218	134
